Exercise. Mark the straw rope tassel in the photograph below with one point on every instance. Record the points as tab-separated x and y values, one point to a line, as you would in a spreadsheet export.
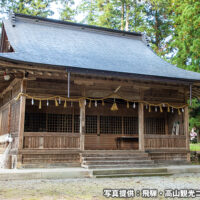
103	104
114	107
179	112
161	110
168	109
79	103
40	104
65	104
127	104
56	102
149	108
90	103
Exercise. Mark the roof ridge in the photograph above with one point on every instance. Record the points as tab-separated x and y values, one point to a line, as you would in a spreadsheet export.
77	24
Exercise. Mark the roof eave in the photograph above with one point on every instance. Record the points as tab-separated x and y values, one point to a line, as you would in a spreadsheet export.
104	73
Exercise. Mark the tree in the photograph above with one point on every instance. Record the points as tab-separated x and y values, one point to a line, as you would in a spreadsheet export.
116	14
158	24
67	12
195	114
29	7
186	37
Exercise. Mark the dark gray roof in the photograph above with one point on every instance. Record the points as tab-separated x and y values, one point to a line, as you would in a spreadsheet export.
53	42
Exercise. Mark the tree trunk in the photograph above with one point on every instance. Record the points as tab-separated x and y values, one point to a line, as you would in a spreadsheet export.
122	16
127	16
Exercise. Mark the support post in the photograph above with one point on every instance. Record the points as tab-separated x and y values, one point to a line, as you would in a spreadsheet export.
21	123
141	126
82	124
186	131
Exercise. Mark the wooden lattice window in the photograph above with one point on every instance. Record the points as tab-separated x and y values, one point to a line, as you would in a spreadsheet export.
154	126
91	124
43	122
59	123
35	122
130	125
111	124
76	123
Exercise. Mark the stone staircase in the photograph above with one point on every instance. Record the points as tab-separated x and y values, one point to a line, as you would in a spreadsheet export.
98	159
133	172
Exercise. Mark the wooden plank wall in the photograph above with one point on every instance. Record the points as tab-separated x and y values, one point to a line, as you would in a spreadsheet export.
107	142
44	140
165	141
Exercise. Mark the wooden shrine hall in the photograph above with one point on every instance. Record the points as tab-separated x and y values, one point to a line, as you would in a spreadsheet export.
81	95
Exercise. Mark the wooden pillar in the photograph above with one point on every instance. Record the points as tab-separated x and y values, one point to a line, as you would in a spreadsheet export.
141	126
21	122
186	131
82	124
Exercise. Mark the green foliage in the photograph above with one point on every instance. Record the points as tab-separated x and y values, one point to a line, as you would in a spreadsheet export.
186	37
195	114
158	24
67	12
195	147
123	14
29	7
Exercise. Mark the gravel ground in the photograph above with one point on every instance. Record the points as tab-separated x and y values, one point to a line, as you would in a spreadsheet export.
92	189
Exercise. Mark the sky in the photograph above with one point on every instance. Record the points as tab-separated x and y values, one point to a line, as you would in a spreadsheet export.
56	6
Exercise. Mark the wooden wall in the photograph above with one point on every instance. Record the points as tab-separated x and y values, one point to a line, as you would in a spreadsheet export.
108	142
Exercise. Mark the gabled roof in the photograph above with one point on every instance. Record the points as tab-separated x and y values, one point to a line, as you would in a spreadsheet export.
58	43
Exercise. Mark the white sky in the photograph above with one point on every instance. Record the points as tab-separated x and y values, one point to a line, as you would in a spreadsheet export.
56	6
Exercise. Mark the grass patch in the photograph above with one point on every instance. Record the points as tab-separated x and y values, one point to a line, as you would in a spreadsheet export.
195	147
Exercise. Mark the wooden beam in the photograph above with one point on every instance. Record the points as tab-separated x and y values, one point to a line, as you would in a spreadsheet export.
21	121
186	131
12	84
38	67
141	126
82	124
123	83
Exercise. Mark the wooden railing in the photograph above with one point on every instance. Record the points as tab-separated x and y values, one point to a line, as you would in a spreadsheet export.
51	140
164	141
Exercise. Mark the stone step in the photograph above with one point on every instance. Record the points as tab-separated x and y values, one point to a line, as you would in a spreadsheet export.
107	162
118	166
129	171
133	175
114	158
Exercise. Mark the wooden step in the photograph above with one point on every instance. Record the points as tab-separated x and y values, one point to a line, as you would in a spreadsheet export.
50	165
2	151
133	175
114	158
49	151
46	161
113	151
118	162
114	155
